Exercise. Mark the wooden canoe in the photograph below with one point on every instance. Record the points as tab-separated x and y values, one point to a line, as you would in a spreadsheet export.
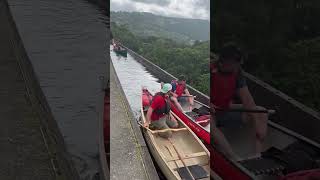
183	149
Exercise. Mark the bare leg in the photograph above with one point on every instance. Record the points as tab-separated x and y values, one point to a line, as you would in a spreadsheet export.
261	125
260	121
191	99
173	123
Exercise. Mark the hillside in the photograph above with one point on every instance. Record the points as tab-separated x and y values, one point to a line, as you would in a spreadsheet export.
189	60
145	24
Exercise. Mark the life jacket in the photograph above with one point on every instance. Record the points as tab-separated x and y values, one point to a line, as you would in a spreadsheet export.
174	85
146	98
180	89
223	88
166	108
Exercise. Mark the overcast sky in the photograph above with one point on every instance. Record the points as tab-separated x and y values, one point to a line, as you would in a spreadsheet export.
195	9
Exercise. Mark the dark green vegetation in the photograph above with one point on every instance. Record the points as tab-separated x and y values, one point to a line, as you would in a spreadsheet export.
281	40
144	24
189	60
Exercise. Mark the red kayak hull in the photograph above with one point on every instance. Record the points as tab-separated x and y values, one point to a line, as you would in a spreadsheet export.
196	128
106	121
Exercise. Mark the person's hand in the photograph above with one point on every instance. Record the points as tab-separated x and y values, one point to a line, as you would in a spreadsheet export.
146	125
174	94
171	118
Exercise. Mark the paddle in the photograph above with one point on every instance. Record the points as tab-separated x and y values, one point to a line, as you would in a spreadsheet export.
188	96
269	111
180	157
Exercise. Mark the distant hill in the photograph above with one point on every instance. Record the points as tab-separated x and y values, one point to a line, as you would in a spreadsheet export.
145	24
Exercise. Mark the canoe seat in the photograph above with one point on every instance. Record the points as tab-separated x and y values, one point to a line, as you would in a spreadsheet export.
197	172
188	156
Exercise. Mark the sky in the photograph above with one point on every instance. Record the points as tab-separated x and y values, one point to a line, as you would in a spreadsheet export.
194	9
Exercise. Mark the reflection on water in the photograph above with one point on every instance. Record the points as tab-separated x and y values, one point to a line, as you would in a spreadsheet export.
133	76
66	43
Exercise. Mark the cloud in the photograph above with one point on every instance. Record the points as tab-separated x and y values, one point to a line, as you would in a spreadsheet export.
195	9
158	2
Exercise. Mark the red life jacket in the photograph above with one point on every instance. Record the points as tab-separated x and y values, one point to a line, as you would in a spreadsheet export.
146	98
223	89
164	109
180	89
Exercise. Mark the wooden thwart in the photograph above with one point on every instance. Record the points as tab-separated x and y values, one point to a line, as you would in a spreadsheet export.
169	129
171	153
188	156
162	130
180	157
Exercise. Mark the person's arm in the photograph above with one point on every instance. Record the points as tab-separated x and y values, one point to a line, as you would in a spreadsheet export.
152	107
244	93
148	118
186	92
246	98
173	94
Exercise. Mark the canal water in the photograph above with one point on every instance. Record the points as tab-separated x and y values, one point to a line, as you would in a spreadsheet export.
133	76
65	41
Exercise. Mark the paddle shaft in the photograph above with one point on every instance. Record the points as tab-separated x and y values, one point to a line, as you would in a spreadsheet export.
187	96
269	111
172	156
181	158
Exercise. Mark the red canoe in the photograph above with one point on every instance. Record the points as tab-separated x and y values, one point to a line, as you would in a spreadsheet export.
198	119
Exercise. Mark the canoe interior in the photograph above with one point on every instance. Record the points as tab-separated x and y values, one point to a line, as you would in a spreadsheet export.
242	140
186	144
186	108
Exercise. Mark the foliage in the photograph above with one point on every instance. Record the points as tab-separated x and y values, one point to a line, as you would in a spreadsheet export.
144	24
281	40
178	59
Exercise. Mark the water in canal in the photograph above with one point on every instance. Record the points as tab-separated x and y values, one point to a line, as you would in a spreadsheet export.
65	41
133	76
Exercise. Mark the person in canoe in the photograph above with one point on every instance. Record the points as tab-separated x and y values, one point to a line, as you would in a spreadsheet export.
228	82
158	114
179	92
